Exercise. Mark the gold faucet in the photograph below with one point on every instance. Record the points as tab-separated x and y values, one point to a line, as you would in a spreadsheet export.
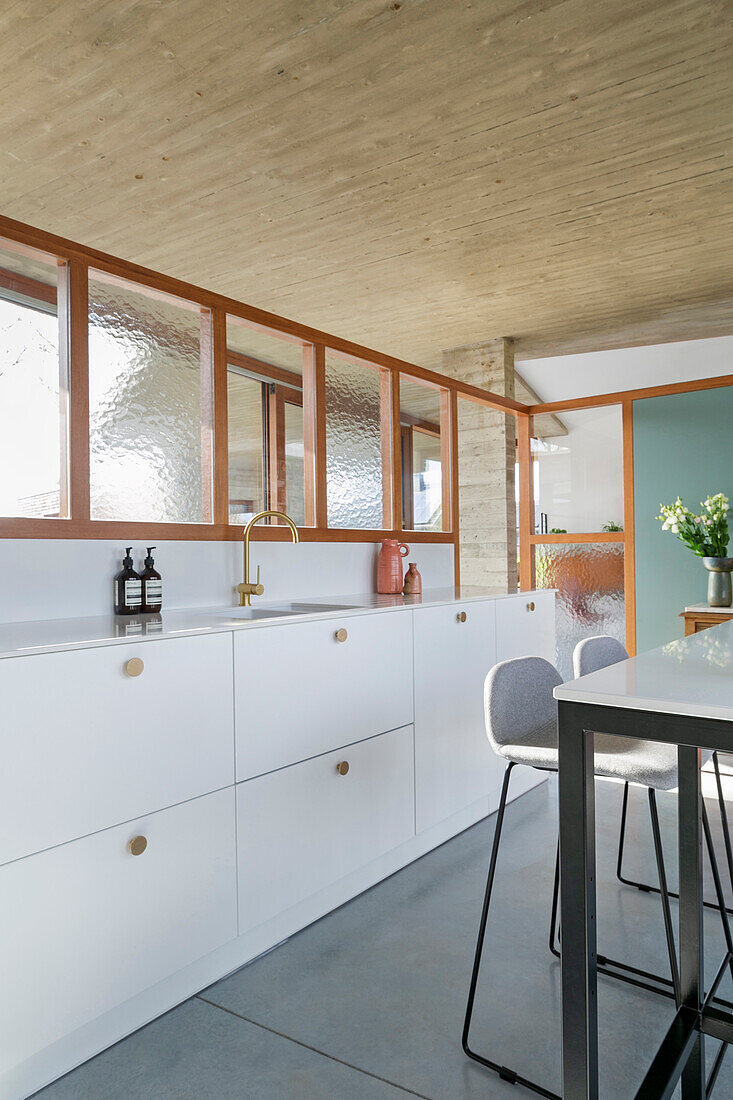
247	589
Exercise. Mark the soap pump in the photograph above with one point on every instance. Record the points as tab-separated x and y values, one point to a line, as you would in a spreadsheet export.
152	584
128	588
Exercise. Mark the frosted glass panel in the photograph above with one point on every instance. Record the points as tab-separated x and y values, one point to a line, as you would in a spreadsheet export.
148	393
246	451
578	479
33	388
589	577
353	445
422	466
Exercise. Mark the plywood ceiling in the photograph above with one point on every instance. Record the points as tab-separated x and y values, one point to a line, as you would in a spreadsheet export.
414	175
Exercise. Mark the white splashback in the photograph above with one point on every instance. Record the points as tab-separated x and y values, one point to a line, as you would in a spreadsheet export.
65	578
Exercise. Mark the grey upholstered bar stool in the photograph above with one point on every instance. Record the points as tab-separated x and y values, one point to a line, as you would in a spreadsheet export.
599	652
521	724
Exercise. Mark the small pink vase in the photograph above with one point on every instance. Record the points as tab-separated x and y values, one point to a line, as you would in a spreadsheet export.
413	581
389	567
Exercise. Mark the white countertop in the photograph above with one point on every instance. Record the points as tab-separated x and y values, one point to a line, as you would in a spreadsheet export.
698	607
692	676
52	635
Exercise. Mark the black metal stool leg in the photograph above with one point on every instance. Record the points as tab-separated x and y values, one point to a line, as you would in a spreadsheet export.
622	835
504	1072
718	888
646	887
664	891
724	819
728	960
555	902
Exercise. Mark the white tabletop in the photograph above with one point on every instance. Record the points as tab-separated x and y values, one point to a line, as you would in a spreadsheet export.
692	676
705	607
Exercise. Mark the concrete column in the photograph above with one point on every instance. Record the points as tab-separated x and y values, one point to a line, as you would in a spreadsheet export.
486	458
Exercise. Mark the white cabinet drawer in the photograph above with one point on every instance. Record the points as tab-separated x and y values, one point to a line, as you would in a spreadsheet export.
306	826
300	692
454	763
85	745
525	626
85	926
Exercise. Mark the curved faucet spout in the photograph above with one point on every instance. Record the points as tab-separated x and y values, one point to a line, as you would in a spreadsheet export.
248	589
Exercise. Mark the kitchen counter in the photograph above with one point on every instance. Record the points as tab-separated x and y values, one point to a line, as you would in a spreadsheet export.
55	635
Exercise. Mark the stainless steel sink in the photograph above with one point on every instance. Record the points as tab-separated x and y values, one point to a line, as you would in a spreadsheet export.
286	610
259	613
314	608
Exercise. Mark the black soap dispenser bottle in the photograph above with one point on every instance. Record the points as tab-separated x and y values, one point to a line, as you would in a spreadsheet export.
152	583
128	588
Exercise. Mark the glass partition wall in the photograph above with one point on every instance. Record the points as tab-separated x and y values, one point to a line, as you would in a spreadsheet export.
134	406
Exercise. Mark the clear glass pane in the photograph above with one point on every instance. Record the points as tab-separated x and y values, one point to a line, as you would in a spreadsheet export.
246	449
264	348
578	470
294	456
422	462
589	578
33	387
149	392
354	470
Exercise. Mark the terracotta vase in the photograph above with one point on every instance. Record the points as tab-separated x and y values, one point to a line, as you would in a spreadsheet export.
389	567
413	581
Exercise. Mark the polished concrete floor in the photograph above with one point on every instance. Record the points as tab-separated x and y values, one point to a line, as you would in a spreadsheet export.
367	1004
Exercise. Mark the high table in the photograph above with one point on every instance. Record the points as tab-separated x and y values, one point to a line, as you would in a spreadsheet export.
681	693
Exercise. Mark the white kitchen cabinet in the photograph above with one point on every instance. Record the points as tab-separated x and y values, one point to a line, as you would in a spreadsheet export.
306	826
94	941
454	763
299	691
525	626
87	925
86	745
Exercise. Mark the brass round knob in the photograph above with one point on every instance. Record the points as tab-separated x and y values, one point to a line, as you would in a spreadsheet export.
137	845
343	767
134	666
461	616
530	606
341	636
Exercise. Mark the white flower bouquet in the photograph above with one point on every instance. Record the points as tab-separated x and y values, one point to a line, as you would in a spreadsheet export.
707	534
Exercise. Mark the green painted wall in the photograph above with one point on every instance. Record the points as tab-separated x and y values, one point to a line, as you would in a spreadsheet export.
683	445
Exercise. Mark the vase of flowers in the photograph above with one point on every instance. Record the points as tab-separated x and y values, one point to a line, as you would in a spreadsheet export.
707	536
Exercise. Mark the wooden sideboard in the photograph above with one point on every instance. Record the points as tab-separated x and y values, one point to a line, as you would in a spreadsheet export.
699	617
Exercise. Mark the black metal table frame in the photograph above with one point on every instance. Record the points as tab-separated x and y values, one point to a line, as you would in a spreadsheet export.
681	1055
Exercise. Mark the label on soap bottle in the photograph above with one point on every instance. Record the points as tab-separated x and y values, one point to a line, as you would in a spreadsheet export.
153	592
133	593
